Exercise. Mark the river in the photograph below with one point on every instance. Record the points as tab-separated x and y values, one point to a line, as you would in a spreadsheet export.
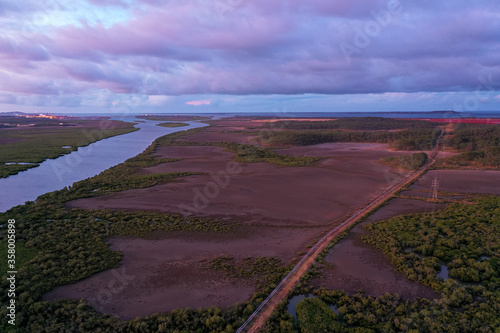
55	174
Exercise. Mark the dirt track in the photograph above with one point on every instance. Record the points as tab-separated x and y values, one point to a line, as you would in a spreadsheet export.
303	267
266	309
263	198
360	266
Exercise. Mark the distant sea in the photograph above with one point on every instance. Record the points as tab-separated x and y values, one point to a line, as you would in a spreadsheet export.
418	114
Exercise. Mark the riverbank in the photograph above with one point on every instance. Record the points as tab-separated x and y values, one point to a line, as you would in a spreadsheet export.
85	162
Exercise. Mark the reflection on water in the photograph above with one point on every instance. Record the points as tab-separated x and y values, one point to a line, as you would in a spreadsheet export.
83	163
19	163
295	300
335	310
292	304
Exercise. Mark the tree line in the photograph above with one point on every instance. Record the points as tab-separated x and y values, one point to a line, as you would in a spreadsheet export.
358	123
411	162
478	143
423	139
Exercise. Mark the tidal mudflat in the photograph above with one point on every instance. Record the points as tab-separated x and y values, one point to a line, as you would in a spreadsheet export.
278	211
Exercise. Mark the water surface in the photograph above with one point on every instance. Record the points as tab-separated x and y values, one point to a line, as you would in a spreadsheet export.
55	174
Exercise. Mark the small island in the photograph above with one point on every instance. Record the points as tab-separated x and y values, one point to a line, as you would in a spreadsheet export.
172	124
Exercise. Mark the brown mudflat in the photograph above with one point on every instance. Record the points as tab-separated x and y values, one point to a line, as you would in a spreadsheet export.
174	271
260	192
400	206
462	181
359	266
213	136
279	212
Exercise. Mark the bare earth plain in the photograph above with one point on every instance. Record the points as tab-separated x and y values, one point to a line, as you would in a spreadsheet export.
279	211
462	181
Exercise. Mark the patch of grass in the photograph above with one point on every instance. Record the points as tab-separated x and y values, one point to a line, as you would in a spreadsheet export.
268	270
313	316
246	153
406	162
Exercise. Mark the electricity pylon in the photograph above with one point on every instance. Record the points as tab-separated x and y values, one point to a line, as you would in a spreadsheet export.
435	188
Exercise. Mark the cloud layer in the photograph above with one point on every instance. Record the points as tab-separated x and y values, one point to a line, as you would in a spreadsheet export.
96	53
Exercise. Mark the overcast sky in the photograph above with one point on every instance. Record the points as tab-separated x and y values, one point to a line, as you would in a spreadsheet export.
249	55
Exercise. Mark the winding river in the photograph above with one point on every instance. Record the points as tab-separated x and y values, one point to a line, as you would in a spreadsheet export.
55	174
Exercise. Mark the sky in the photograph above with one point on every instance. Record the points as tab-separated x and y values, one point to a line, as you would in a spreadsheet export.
188	56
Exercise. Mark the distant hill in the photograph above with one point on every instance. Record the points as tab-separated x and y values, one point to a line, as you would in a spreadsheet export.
445	111
13	114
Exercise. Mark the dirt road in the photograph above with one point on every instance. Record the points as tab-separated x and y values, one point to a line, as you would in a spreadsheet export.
257	320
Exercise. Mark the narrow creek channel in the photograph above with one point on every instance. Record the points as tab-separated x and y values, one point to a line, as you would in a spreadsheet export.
55	174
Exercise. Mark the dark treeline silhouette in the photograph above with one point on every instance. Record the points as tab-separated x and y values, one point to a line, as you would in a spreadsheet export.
478	143
358	123
424	139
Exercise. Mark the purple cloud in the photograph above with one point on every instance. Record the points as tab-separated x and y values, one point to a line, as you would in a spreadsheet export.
117	3
258	47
